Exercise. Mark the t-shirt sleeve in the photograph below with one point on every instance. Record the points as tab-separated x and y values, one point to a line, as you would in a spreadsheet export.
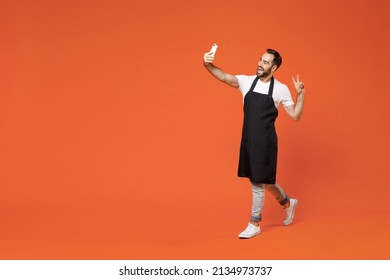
243	83
285	98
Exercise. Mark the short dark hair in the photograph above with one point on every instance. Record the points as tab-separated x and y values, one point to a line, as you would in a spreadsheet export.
277	58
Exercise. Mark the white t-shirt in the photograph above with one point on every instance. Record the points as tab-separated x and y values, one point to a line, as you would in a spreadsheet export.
281	93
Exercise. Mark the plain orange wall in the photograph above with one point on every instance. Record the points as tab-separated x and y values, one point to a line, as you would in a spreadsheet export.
113	134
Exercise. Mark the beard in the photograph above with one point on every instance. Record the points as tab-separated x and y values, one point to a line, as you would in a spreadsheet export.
263	73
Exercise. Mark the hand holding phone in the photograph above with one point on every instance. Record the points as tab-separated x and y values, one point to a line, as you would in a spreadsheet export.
214	49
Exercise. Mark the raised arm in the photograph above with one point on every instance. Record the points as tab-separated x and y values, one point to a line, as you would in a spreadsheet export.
229	79
295	111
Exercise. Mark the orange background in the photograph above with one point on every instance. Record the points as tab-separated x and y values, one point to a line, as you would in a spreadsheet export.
115	142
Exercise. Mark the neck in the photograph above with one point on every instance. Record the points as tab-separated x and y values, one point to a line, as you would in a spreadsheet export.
265	79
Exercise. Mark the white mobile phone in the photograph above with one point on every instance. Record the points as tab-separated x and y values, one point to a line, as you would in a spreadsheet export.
214	49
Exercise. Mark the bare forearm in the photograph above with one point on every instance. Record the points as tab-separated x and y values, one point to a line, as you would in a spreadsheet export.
215	71
218	73
298	109
295	111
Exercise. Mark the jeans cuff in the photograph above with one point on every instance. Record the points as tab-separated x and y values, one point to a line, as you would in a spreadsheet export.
255	219
284	201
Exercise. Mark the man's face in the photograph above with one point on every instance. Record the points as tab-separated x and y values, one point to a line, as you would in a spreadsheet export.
264	67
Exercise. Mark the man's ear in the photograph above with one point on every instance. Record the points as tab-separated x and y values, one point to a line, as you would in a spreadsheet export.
274	67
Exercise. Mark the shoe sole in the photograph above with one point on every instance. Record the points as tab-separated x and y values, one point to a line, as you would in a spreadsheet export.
292	216
242	237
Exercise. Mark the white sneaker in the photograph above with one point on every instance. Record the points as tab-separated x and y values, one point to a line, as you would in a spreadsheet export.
290	211
250	231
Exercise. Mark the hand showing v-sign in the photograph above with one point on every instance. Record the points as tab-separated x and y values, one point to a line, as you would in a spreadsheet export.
299	85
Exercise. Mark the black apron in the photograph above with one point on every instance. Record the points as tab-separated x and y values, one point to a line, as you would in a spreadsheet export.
259	142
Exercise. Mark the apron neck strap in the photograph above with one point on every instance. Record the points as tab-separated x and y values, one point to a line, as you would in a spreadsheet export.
254	84
271	87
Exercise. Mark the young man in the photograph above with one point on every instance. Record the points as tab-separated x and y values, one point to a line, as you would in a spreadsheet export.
259	145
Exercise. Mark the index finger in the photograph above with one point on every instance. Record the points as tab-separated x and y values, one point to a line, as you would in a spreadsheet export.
294	81
297	80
